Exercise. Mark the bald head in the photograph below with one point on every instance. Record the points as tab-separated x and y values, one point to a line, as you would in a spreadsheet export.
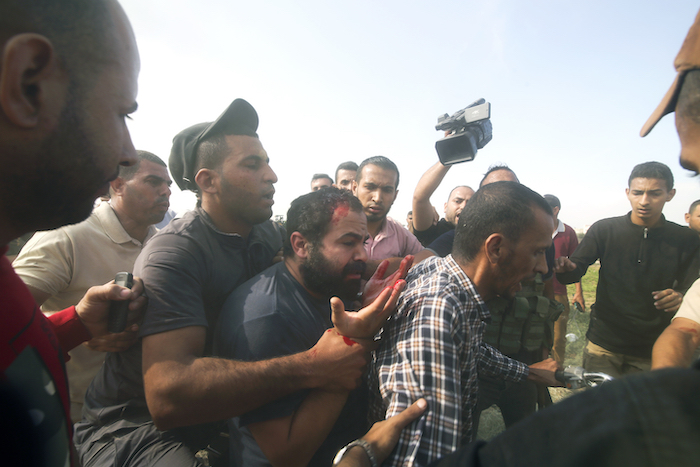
69	80
83	33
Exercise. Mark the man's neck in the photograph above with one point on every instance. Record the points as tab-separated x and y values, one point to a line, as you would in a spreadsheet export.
481	275
223	221
135	229
373	228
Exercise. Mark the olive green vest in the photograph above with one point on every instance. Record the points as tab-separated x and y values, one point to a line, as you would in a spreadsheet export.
525	322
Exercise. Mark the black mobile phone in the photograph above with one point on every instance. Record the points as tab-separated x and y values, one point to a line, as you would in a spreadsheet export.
118	310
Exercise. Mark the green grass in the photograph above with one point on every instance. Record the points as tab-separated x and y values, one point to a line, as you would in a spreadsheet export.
491	421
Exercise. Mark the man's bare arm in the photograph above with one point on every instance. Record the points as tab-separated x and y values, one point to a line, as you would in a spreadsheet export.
676	345
428	183
183	388
292	441
578	296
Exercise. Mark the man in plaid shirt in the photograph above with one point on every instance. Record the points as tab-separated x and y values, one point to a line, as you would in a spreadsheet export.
432	348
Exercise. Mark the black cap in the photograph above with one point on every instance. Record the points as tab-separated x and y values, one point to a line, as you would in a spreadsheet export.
240	118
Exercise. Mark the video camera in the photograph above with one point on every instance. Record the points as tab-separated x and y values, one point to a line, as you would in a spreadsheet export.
471	129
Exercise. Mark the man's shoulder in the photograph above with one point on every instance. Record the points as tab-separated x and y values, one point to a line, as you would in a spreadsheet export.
246	299
683	232
440	279
393	224
569	230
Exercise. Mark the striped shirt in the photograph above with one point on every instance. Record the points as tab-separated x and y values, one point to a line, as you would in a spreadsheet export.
432	348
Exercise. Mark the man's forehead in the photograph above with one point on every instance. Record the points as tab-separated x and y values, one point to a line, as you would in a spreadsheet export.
379	175
148	168
462	192
346	220
648	184
344	174
244	145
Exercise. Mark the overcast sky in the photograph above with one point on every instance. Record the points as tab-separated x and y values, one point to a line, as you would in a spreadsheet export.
570	85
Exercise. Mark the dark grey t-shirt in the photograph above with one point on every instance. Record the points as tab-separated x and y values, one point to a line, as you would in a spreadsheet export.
269	316
188	268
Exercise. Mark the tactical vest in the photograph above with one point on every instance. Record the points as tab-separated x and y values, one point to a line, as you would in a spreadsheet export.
526	322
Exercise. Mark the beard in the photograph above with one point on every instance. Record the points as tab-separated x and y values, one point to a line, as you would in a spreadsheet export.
321	278
58	184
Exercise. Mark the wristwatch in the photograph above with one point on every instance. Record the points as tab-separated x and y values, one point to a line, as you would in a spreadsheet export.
364	445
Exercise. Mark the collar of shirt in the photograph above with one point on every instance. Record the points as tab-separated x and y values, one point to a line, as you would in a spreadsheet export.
560	228
114	229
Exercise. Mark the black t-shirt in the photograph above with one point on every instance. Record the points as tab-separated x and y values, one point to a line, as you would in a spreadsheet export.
269	316
429	235
634	262
188	268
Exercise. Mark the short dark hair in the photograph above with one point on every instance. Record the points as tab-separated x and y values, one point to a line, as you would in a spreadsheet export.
349	165
495	168
652	169
211	153
507	208
553	201
694	205
317	176
81	31
379	161
311	214
128	172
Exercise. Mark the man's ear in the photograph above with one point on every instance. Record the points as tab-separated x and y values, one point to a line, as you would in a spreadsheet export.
31	80
671	194
354	188
207	180
687	218
299	245
494	247
117	185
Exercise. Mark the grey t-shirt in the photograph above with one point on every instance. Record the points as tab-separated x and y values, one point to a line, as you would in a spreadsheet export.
269	316
188	268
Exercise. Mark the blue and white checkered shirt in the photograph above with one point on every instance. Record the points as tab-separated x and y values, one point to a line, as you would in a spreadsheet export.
431	348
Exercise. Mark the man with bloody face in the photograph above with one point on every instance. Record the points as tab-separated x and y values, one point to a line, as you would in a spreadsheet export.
285	310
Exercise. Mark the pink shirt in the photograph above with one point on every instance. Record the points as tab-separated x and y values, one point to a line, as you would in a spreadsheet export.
392	240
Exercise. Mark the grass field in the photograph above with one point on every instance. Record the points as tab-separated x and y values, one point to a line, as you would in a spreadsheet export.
491	421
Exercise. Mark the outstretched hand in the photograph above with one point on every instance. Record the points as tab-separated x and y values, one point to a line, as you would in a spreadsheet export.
93	311
366	322
377	283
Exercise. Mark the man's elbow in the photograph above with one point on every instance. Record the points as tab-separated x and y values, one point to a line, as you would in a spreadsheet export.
166	409
164	414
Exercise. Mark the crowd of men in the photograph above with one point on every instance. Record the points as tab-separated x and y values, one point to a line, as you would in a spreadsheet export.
340	337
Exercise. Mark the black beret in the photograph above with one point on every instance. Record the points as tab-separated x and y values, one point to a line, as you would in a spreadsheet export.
240	118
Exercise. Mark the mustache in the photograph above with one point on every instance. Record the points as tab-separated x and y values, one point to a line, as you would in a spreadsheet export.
356	267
